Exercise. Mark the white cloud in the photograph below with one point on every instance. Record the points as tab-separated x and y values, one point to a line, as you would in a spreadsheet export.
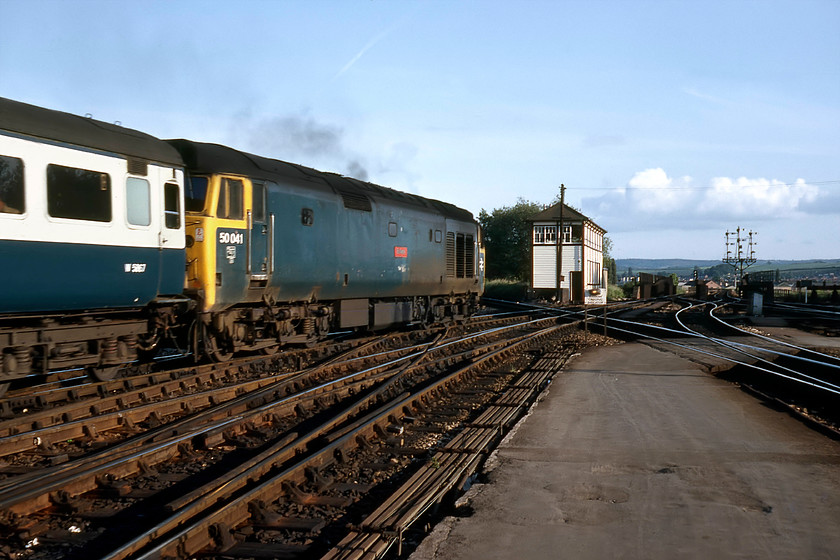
652	192
757	198
652	201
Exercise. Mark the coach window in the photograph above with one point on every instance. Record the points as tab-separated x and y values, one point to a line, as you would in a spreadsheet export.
172	205
137	202
11	186
230	199
78	194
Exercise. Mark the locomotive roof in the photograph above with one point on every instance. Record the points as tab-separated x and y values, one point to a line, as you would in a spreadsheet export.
49	124
213	158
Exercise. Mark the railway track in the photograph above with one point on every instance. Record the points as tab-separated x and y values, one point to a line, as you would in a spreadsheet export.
804	381
230	459
339	451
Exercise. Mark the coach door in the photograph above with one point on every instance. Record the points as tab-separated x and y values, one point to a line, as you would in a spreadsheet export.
171	240
258	229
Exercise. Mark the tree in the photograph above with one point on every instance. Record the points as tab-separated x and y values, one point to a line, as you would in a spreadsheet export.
507	240
718	272
609	262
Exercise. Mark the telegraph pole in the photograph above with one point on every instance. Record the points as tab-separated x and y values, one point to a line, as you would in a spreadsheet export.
739	257
559	237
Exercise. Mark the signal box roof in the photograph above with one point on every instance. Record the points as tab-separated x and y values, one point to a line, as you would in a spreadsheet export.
552	214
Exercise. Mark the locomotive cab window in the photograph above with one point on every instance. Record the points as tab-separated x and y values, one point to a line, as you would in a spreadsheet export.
392	229
195	192
11	186
231	199
137	202
172	205
78	194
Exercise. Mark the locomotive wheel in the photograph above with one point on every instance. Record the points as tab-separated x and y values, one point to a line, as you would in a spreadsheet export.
106	373
216	352
270	350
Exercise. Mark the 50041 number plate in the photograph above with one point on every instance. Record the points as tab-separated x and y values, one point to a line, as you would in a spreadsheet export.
231	238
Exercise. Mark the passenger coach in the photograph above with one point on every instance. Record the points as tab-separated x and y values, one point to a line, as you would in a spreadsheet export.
91	231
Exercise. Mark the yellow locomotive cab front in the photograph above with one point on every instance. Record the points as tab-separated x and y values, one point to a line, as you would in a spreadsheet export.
217	211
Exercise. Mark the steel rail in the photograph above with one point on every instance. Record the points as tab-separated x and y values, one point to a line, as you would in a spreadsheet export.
712	354
16	489
26	497
30	495
448	470
113	411
190	539
738	347
774	340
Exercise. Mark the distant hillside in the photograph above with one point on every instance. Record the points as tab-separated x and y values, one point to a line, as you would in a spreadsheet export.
685	267
647	265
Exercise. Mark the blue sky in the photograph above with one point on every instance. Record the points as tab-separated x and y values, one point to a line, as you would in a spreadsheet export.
668	121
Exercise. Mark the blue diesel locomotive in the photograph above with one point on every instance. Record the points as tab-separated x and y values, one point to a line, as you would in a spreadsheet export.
113	243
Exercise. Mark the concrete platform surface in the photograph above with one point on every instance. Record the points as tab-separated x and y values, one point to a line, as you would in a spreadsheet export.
638	453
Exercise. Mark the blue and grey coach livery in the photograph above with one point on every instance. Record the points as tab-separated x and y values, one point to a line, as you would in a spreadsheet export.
91	233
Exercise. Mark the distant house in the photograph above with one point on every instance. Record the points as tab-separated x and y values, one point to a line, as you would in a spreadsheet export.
583	278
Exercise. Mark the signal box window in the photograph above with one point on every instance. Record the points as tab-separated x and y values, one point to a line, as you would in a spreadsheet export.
545	235
231	200
78	194
172	205
137	202
11	186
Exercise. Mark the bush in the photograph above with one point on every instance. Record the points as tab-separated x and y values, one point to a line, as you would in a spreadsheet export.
508	290
615	293
628	289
